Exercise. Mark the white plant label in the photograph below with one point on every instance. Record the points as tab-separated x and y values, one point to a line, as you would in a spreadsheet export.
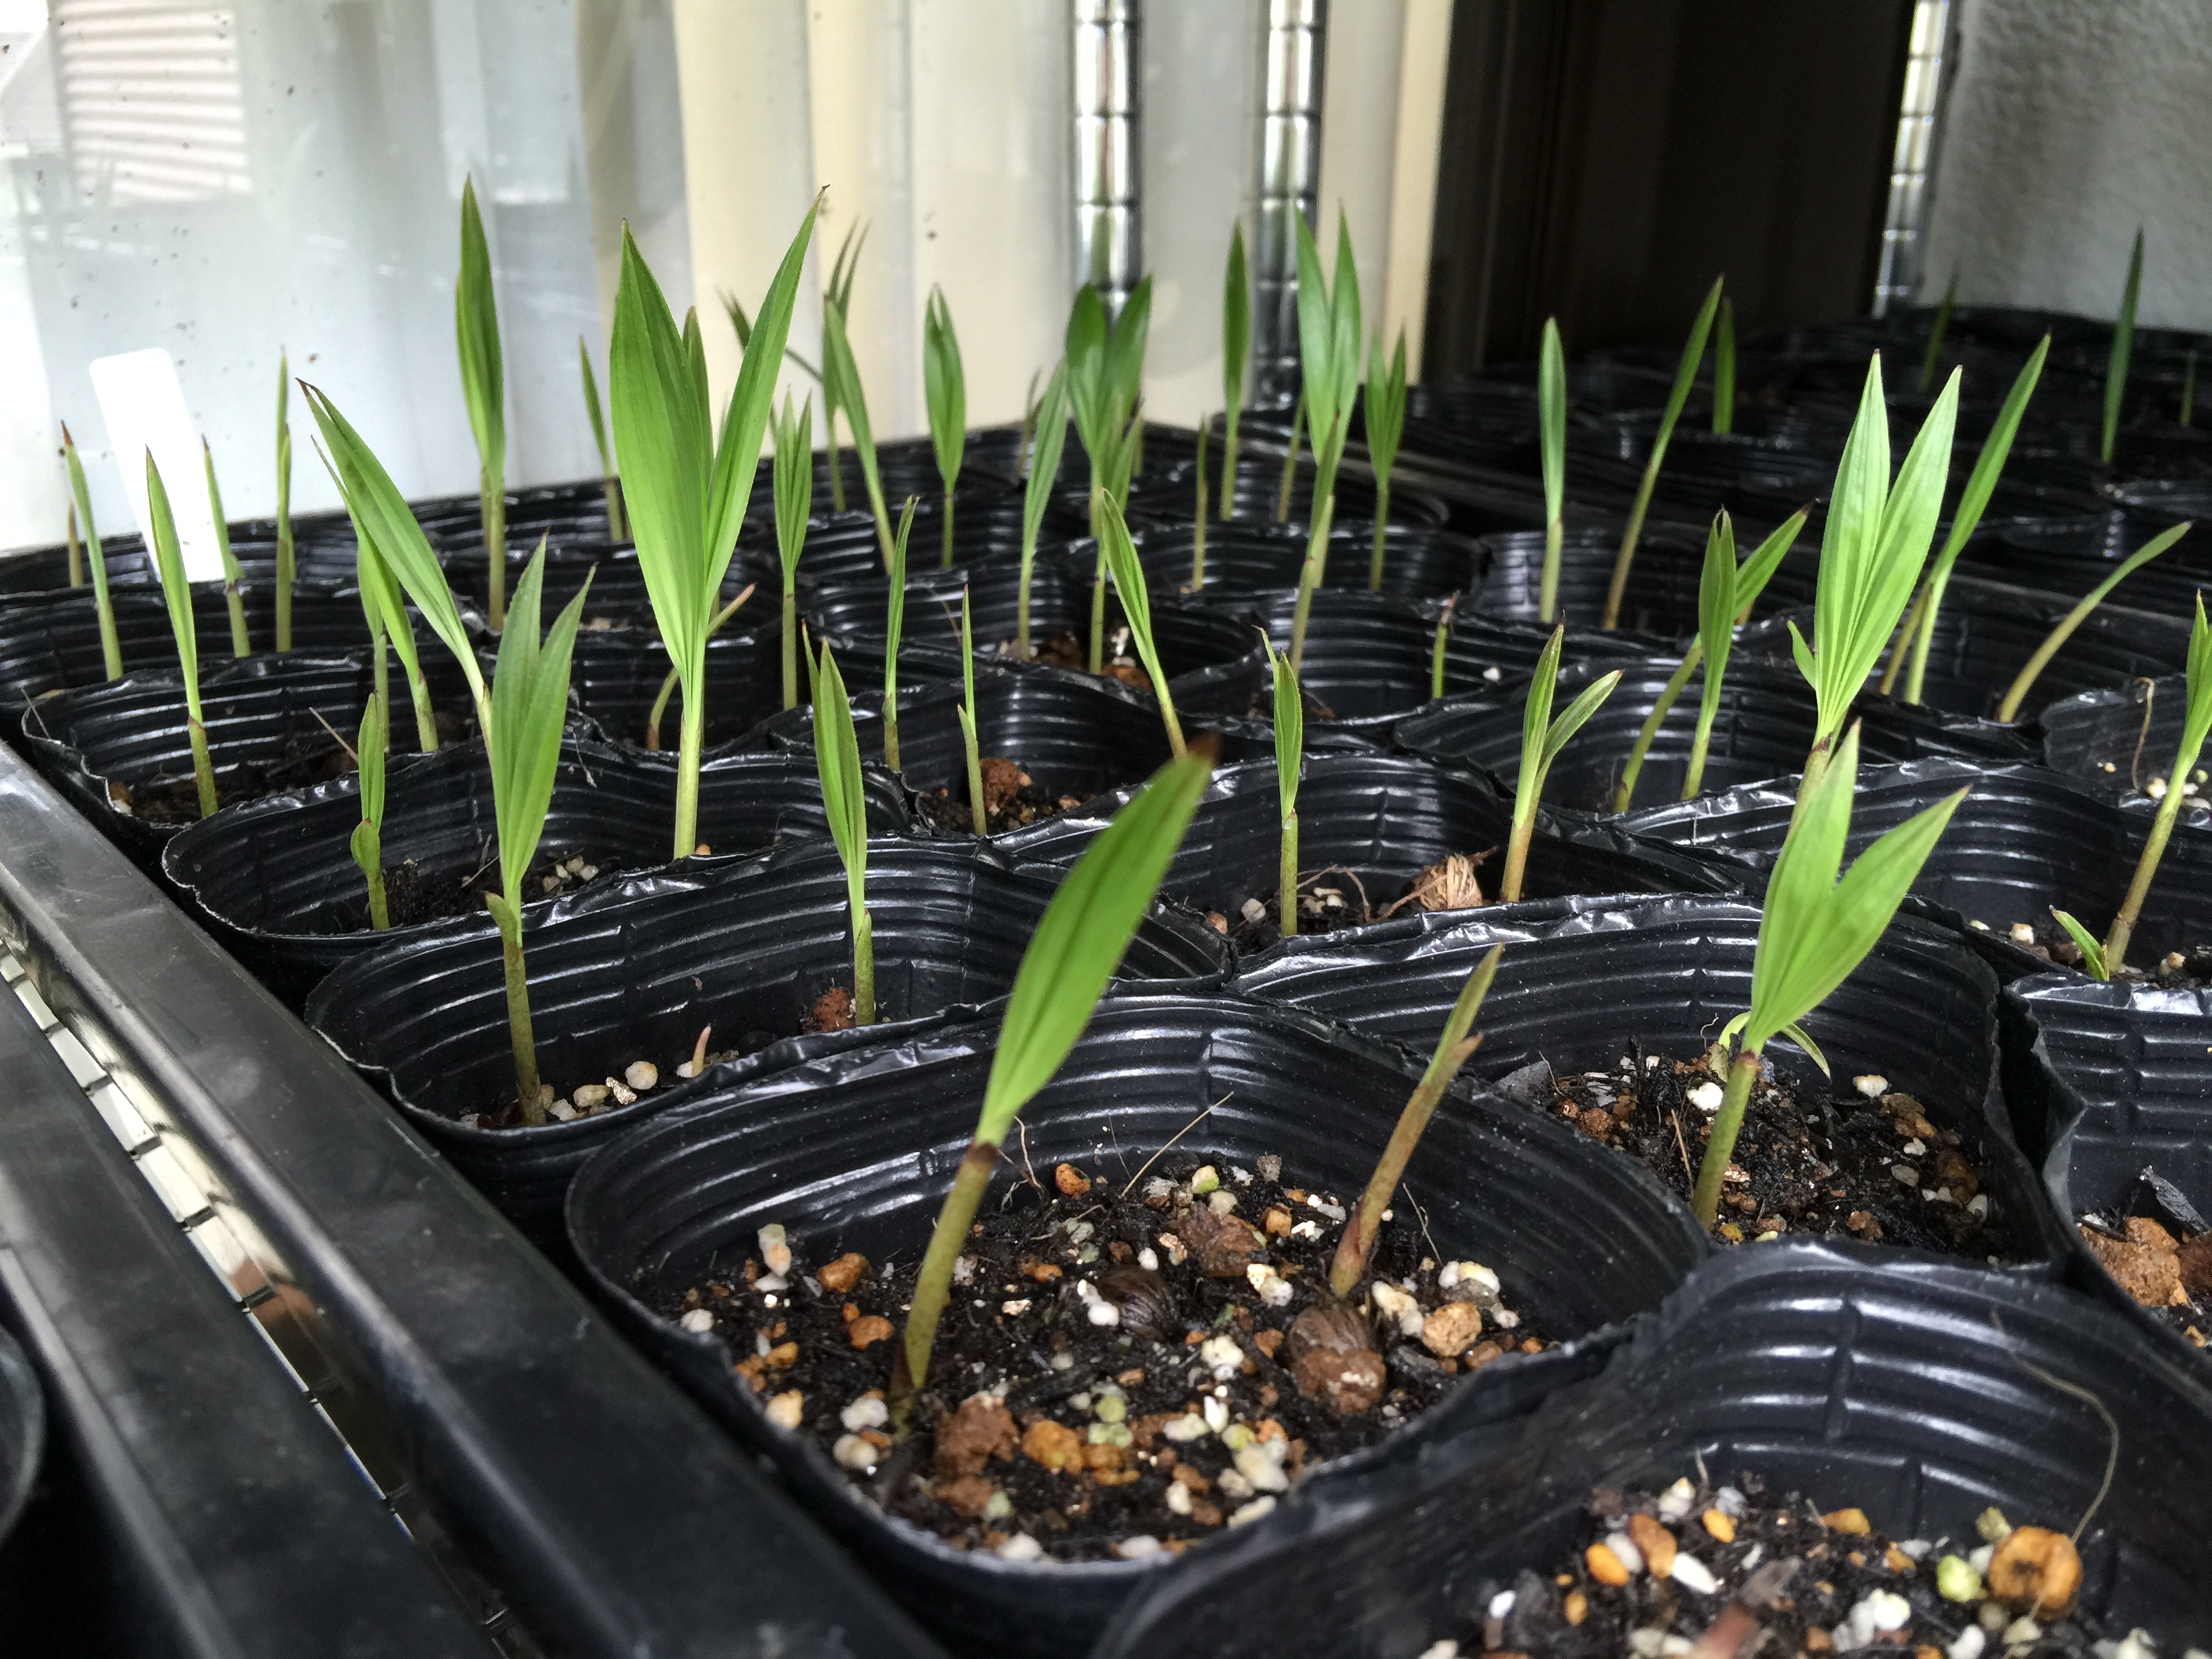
142	403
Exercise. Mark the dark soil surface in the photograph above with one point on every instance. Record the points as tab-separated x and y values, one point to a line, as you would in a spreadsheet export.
412	896
1867	1163
1011	799
2178	970
1737	1573
1337	897
2159	1250
1066	650
1119	1371
307	761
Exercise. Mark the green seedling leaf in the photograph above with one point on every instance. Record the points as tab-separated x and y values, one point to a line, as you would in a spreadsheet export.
2009	709
1329	350
1044	476
1542	737
287	554
592	408
1290	729
793	485
1386	428
177	593
844	375
385	608
2093	953
945	388
483	383
1935	334
110	648
234	598
1128	573
1551	419
2123	340
1685	375
367	841
1236	357
1724	368
529	707
2196	725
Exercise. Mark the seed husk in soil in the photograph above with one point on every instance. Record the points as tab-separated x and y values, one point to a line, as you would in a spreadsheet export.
1865	1164
1734	1571
2160	1253
1011	799
1334	898
1066	650
1121	1372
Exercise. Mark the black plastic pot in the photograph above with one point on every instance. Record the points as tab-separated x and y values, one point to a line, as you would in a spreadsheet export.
22	1431
1762	730
277	880
1072	735
616	674
1382	818
48	643
1217	664
2025	839
1243	559
1906	1386
2119	1077
1163	496
2102	739
1581	978
852	1154
101	743
632	976
2071	554
986	532
1660	602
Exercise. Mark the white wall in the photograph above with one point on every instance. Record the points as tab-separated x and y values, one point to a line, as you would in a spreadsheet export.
2071	123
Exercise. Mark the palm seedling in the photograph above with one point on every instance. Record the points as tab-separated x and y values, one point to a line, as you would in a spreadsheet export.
844	800
794	505
1685	375
234	596
1445	614
1027	436
840	383
976	806
110	646
368	834
1128	571
1328	357
1078	944
2053	643
1198	523
76	548
1542	737
944	387
686	493
894	627
521	713
1454	1048
1290	765
1236	354
1728	594
1291	458
169	559
1919	630
1105	386
1814	931
837	295
1551	452
2124	343
610	478
1724	368
287	550
1871	550
385	607
669	681
1386	428
2196	723
483	383
1935	333
1044	473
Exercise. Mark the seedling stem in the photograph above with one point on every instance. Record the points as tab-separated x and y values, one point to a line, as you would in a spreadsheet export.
1685	375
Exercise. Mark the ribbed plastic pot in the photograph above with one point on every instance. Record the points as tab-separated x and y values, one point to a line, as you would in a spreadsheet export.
1900	1385
986	532
1073	736
22	1431
1661	599
2025	839
2114	741
853	1154
48	643
904	467
1384	819
1762	730
1169	495
100	743
635	975
2071	554
1243	559
277	881
1582	978
2117	1080
1216	664
323	550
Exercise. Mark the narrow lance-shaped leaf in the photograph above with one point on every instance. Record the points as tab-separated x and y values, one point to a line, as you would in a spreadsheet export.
794	507
1724	368
1079	942
177	592
844	802
2016	696
1386	427
385	606
234	595
2124	341
368	841
894	625
110	648
609	476
1289	763
844	373
1685	375
945	390
979	814
1044	476
1551	453
2196	725
1542	737
1941	326
1128	572
483	385
287	556
1235	355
